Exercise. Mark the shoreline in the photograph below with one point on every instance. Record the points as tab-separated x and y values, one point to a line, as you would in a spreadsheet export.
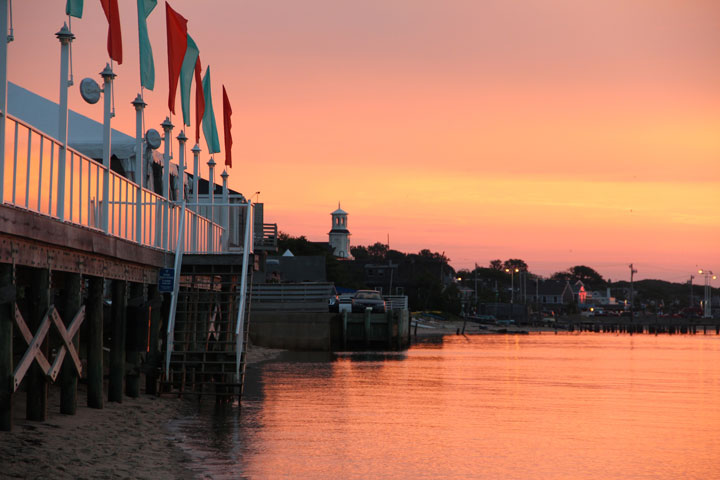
129	440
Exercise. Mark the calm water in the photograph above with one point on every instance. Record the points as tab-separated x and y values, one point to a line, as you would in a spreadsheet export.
590	406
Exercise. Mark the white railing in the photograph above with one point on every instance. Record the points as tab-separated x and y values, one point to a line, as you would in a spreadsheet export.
396	302
31	182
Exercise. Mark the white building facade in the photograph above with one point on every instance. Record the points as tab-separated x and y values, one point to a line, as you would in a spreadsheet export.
339	233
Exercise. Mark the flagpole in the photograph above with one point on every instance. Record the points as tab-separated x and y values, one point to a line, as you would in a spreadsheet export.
167	128
139	105
3	90
195	198
66	37
108	77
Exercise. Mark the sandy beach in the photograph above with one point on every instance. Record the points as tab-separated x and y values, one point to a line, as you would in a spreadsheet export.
128	440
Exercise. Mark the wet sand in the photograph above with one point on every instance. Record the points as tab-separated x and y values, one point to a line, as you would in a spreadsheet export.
128	440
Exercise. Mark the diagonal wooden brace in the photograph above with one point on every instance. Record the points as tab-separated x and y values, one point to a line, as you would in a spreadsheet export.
33	351
67	338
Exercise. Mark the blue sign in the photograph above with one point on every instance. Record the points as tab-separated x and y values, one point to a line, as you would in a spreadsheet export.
166	280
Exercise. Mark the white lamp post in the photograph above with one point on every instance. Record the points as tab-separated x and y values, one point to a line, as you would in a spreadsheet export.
512	272
707	304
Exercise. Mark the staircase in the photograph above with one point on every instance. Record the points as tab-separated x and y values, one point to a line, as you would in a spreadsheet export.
208	353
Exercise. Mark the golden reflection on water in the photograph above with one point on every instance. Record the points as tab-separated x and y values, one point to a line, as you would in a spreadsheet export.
497	407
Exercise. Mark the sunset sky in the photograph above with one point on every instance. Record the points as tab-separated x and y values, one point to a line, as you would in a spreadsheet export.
562	132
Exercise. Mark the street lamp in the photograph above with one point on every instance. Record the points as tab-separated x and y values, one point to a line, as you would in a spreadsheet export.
707	304
512	272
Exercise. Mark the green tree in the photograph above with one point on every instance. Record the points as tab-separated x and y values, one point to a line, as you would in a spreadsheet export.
589	277
513	263
496	264
359	252
378	251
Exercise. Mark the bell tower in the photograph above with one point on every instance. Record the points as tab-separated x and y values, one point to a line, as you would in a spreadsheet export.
339	234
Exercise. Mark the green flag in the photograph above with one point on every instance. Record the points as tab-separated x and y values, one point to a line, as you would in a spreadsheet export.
186	76
208	122
74	8
147	66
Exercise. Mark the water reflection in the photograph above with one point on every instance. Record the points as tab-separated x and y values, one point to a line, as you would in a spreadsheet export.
537	406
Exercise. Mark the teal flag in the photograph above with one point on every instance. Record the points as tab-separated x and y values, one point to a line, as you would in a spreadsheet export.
74	8
186	76
147	66
208	122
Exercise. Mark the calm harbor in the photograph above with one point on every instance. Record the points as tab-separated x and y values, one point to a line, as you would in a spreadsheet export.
533	406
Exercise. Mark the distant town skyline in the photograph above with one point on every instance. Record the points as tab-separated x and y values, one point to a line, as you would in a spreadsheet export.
560	132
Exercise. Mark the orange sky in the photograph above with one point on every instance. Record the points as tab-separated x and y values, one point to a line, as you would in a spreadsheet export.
556	131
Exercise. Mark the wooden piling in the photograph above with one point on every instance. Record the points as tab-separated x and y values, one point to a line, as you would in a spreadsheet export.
37	383
132	377
7	312
368	314
153	352
389	321
94	321
344	329
118	316
72	302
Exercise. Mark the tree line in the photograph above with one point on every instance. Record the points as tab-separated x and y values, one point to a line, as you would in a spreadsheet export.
427	277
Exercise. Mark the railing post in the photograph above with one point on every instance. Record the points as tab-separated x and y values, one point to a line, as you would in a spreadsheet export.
66	37
167	128
195	199
3	90
108	77
211	196
225	221
138	175
180	192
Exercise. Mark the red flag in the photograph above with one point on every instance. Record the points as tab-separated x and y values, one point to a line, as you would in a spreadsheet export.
199	100
227	125
177	45
114	41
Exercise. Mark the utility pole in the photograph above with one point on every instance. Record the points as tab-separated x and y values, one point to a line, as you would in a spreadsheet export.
632	291
476	296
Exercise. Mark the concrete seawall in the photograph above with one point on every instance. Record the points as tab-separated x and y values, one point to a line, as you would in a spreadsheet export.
294	330
313	331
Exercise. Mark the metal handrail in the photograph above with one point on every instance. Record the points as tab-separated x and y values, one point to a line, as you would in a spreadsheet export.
176	291
34	155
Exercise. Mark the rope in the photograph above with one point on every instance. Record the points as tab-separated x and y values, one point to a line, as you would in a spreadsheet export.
112	114
11	35
170	139
71	79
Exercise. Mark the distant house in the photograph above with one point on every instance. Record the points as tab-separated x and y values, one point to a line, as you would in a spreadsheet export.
599	297
293	269
551	294
383	277
580	295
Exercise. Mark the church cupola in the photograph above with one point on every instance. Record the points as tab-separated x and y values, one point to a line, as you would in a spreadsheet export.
339	233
